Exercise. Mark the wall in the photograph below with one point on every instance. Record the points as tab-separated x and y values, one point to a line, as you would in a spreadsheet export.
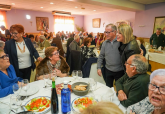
16	16
110	17
147	18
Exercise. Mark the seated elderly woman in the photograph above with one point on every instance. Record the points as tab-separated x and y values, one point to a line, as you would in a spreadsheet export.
52	61
102	108
155	102
7	75
86	51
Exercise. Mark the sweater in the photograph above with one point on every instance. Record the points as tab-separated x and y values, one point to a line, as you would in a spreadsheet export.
135	88
6	82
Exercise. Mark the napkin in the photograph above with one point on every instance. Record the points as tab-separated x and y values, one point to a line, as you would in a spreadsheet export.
159	48
43	50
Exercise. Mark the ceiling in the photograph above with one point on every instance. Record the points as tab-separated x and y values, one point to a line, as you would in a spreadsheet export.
101	6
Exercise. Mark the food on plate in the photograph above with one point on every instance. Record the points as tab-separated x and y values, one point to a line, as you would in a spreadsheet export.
59	87
83	102
80	87
155	51
38	104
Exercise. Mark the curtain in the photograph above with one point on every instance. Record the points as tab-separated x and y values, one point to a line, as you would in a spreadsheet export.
3	20
63	23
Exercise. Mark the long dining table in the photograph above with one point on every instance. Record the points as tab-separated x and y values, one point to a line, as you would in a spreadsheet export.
100	90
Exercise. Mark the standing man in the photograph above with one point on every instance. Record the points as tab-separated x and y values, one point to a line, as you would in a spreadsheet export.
110	52
7	32
157	39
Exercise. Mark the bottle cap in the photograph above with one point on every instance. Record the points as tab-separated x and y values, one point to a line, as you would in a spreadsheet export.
53	79
65	82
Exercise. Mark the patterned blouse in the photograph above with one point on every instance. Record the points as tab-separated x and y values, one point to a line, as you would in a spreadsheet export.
52	67
87	53
142	107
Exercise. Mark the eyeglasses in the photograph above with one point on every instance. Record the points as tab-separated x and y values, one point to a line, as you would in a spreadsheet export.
14	33
129	64
153	87
5	57
106	32
56	53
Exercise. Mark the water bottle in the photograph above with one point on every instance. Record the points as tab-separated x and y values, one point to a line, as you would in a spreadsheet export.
66	99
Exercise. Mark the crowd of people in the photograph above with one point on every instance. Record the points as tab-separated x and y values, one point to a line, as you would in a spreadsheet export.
124	60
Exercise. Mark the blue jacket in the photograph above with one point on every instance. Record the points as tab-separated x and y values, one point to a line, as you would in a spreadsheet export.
6	82
10	49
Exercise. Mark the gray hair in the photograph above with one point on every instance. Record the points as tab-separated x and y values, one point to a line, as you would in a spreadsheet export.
114	28
159	72
76	37
2	43
158	29
140	64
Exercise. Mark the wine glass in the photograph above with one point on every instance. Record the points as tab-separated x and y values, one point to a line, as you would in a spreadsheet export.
25	85
79	73
74	74
16	89
154	46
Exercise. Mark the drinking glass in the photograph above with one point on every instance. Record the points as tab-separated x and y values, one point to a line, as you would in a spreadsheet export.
25	85
154	46
74	74
16	89
53	74
46	77
106	98
79	74
92	84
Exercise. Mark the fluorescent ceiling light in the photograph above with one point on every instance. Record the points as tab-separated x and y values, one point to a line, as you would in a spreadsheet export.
13	3
28	17
51	3
76	7
41	7
94	10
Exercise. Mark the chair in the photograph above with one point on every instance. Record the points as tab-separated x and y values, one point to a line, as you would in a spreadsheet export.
75	60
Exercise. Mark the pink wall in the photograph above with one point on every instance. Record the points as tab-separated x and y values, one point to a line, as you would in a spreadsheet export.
110	17
16	16
146	19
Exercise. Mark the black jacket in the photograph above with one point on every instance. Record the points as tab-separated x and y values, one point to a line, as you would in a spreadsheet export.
130	49
10	49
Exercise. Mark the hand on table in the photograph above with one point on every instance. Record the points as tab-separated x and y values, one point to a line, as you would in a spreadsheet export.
99	72
121	95
39	58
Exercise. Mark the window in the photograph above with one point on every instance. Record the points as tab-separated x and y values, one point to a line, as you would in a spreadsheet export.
63	23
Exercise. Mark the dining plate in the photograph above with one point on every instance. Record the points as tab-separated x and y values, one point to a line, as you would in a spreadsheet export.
76	109
46	107
32	90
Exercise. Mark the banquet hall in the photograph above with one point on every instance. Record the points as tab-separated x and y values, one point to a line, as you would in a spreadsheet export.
76	36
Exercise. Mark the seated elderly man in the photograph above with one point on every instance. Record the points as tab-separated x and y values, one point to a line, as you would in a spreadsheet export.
133	86
44	42
74	44
155	102
2	45
7	75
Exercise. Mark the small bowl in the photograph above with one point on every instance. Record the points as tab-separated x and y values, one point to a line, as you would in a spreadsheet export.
77	92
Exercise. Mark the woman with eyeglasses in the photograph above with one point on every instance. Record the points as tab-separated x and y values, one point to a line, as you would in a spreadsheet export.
129	45
52	62
7	75
155	102
21	52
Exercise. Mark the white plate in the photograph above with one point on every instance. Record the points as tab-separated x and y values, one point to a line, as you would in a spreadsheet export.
43	112
73	105
32	90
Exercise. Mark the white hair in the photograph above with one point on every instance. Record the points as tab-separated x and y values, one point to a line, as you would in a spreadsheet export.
2	43
76	37
159	72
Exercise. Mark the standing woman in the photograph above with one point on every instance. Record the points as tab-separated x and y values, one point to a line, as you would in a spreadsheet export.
129	45
21	52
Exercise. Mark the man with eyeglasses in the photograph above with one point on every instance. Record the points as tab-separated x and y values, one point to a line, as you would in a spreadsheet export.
109	52
155	102
133	86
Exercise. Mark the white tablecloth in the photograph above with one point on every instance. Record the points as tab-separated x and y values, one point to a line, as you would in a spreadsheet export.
156	57
101	89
